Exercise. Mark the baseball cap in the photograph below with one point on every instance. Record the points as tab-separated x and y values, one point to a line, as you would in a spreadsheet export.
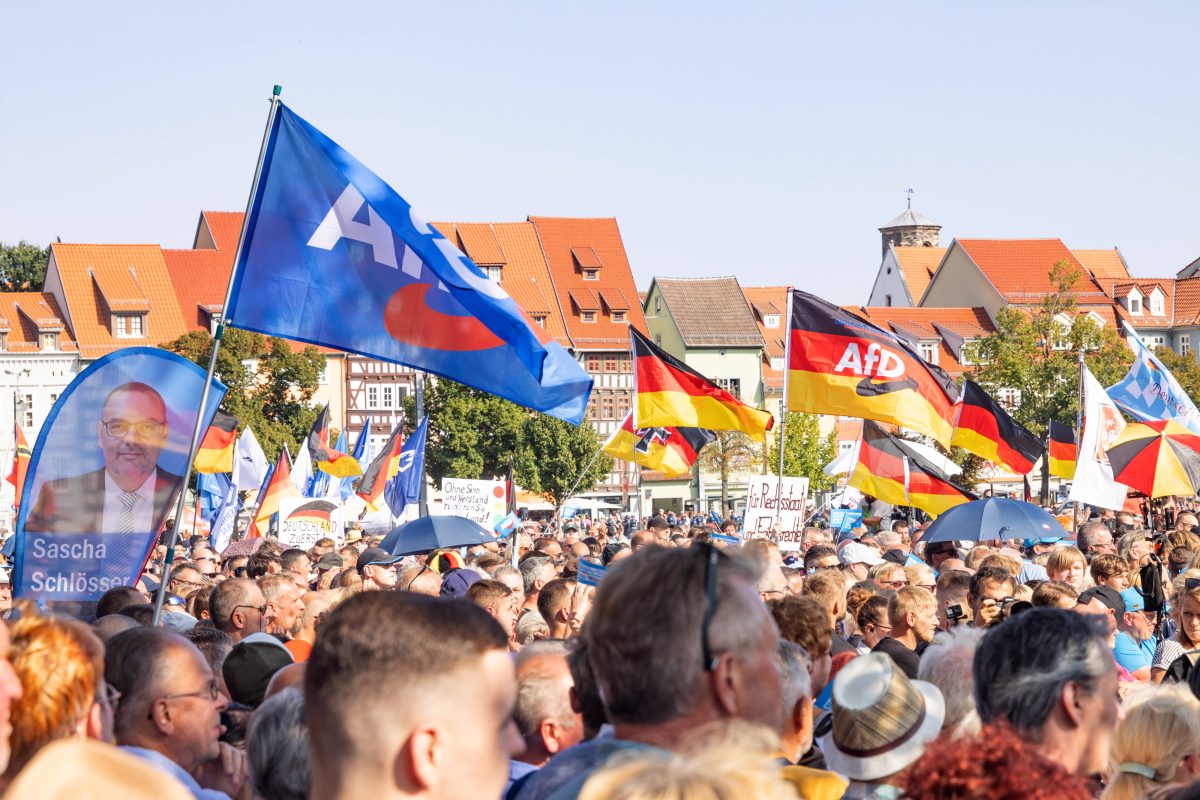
1133	600
1107	595
457	581
329	561
856	553
248	669
375	555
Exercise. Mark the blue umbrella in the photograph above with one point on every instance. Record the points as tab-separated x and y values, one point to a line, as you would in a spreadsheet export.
427	534
994	518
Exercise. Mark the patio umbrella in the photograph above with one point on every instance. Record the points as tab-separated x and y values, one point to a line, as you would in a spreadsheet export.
426	534
994	518
1158	458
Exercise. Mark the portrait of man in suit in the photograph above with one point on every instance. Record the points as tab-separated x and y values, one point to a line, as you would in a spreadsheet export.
131	493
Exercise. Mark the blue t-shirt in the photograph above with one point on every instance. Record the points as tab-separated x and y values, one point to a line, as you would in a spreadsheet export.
1132	654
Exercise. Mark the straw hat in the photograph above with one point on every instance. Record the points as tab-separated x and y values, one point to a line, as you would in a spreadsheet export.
881	719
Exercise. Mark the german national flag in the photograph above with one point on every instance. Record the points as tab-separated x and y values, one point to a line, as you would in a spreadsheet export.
20	464
216	450
671	451
986	429
383	468
842	364
280	486
1062	450
669	393
326	459
888	470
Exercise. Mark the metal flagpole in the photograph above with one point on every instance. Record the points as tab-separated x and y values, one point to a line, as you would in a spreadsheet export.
419	403
198	431
783	411
1078	433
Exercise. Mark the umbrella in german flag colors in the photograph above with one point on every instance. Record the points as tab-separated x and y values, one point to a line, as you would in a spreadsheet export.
1157	458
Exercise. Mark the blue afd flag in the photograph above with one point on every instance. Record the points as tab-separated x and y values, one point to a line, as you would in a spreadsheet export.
1150	392
362	454
334	256
212	488
225	520
105	473
405	488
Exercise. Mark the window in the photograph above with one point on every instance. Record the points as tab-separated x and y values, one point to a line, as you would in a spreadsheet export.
845	447
591	274
1157	341
373	396
540	320
657	304
388	393
622	406
591	409
492	272
731	385
593	364
3	341
49	341
1185	344
135	325
771	321
323	378
1135	305
1156	306
777	363
588	316
128	326
1010	398
28	406
929	351
626	364
658	339
53	398
887	298
606	408
964	357
618	316
610	363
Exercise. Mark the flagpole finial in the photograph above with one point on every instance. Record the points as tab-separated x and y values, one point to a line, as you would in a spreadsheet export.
908	191
278	90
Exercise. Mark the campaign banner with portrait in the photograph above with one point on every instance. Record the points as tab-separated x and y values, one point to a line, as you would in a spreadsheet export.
106	472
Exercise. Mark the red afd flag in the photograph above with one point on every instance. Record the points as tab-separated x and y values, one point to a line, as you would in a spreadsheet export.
280	486
20	464
669	393
216	450
984	428
842	364
888	470
383	468
1062	450
324	457
671	451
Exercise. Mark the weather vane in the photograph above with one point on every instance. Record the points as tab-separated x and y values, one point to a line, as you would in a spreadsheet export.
909	192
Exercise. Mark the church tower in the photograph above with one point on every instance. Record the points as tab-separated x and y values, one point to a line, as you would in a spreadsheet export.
910	229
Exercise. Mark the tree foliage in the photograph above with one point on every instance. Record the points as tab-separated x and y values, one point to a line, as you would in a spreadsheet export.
22	266
731	452
806	451
473	434
1035	353
275	397
1185	368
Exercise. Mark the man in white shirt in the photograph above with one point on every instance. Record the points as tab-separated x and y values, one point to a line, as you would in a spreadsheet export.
131	493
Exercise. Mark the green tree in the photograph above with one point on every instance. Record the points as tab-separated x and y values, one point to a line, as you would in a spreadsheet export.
1185	369
729	453
22	266
473	434
270	386
806	452
1035	353
554	455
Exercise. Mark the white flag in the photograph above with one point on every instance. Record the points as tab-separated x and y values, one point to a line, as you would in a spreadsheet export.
1102	424
249	463
302	470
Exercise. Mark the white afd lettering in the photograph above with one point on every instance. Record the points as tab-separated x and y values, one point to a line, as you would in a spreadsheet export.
339	224
877	362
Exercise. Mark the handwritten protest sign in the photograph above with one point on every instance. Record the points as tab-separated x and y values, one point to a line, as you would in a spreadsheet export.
761	509
304	520
479	501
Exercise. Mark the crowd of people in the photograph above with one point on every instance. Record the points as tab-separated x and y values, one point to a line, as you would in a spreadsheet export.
864	664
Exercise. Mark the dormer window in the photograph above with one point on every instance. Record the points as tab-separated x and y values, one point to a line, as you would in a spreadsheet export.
49	341
492	271
128	326
539	320
771	321
591	274
3	340
1135	304
588	316
777	363
618	316
1156	303
929	351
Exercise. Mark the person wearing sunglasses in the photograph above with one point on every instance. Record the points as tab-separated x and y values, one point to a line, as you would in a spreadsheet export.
678	639
169	712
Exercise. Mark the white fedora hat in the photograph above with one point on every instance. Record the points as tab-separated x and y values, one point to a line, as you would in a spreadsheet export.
881	719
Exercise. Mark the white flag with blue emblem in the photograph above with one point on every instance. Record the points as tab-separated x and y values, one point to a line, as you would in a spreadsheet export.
1150	392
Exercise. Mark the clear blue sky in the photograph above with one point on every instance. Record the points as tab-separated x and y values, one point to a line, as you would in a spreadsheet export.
765	140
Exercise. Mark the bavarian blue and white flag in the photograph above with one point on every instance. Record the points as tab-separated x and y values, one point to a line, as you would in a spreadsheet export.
1150	392
405	488
334	256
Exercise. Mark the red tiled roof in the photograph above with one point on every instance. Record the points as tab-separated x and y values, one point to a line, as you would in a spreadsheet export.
23	315
96	277
1187	300
225	228
559	236
918	264
1106	266
770	300
1020	268
1146	286
478	241
710	312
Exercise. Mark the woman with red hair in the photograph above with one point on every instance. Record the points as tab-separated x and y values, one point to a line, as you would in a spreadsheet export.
60	664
